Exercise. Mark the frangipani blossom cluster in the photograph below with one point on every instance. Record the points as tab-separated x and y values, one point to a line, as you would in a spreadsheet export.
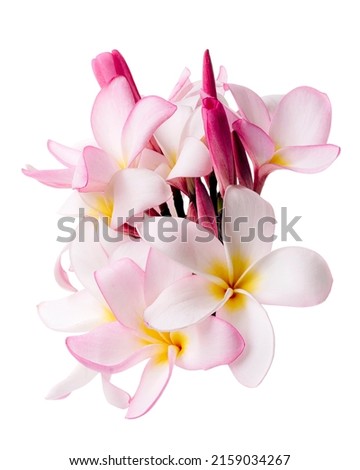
169	274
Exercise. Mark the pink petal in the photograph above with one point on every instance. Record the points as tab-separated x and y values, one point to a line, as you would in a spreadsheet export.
306	159
154	379
61	276
113	394
303	117
146	116
251	106
184	303
110	111
272	102
110	348
160	273
210	343
76	313
78	378
107	66
53	178
122	285
292	276
65	155
135	249
181	87
256	142
252	322
136	190
248	226
193	160
99	168
185	242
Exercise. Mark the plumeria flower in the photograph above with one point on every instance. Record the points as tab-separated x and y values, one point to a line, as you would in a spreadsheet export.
116	346
86	308
235	277
122	129
291	132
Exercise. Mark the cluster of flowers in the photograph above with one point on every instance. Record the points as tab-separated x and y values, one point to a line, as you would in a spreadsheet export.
179	180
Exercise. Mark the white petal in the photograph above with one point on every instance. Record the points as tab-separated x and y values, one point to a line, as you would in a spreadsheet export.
78	378
252	322
111	109
76	313
187	243
155	377
303	117
292	276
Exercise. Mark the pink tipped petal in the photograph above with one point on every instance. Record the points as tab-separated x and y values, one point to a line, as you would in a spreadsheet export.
257	143
53	178
169	134
136	190
185	242
61	276
222	75
104	68
251	106
303	117
76	313
254	325
110	111
146	116
184	303
182	86
78	378
65	155
248	228
122	285
210	343
99	169
160	273
291	276
193	161
110	348
306	159
219	141
113	394
122	68
154	379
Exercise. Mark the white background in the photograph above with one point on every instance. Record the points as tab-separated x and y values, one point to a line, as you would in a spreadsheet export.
308	405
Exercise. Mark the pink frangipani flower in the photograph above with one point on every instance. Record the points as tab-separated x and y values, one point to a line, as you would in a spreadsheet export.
118	345
292	133
235	277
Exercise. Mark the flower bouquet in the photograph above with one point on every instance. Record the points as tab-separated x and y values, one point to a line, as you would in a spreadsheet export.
171	260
